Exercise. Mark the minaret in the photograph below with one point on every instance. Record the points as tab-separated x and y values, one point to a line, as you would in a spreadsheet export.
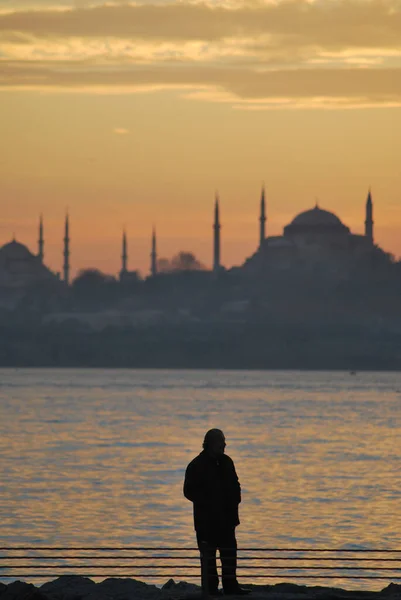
216	241
41	242
262	218
153	255
66	253
369	218
124	255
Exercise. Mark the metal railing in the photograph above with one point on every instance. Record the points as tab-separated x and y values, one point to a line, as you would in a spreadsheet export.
161	563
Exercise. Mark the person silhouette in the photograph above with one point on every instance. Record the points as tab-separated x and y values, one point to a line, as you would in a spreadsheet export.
211	484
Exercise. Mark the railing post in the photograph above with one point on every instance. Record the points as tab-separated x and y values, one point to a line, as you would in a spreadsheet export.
204	556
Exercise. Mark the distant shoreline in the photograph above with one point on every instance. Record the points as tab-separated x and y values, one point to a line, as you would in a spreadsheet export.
219	346
311	369
232	349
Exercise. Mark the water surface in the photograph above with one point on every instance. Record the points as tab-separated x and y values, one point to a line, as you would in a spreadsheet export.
97	457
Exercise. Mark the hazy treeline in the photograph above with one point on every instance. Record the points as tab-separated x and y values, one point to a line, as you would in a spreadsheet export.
226	346
193	318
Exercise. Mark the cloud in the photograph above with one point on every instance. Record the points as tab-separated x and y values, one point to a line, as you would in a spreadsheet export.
338	22
375	85
253	52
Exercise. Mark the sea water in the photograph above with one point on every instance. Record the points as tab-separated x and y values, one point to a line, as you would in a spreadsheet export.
97	457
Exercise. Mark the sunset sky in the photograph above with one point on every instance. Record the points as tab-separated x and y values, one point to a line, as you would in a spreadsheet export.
133	114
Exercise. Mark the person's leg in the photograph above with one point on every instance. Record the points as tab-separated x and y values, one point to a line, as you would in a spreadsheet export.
228	556
208	548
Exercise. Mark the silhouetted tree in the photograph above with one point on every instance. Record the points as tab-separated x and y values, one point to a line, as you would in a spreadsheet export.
88	279
186	261
163	265
94	289
183	261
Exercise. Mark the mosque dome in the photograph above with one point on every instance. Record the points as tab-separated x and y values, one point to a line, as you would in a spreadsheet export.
19	266
316	220
16	251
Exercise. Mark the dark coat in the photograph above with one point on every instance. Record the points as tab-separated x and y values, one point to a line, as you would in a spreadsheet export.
213	487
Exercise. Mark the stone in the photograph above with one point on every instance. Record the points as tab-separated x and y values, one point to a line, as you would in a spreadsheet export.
168	585
393	589
126	589
181	590
83	588
20	590
68	587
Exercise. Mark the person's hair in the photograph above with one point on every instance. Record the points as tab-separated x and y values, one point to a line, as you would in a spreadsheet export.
210	435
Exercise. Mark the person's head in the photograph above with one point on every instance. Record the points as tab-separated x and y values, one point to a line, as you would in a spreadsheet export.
214	442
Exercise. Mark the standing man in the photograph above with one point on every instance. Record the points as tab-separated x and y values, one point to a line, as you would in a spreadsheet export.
211	483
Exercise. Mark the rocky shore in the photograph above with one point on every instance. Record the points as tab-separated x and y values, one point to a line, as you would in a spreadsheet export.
83	588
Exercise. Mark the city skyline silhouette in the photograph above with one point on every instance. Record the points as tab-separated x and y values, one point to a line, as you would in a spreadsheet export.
158	262
133	115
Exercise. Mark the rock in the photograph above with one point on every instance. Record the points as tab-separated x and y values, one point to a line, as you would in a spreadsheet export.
82	588
168	585
126	589
181	586
291	591
289	588
181	590
393	589
68	587
19	590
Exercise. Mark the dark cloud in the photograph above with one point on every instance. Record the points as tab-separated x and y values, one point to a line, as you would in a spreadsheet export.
255	52
370	85
344	23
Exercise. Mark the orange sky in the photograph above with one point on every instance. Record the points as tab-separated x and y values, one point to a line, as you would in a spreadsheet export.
134	114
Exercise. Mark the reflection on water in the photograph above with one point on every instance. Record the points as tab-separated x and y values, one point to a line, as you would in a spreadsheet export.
97	458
